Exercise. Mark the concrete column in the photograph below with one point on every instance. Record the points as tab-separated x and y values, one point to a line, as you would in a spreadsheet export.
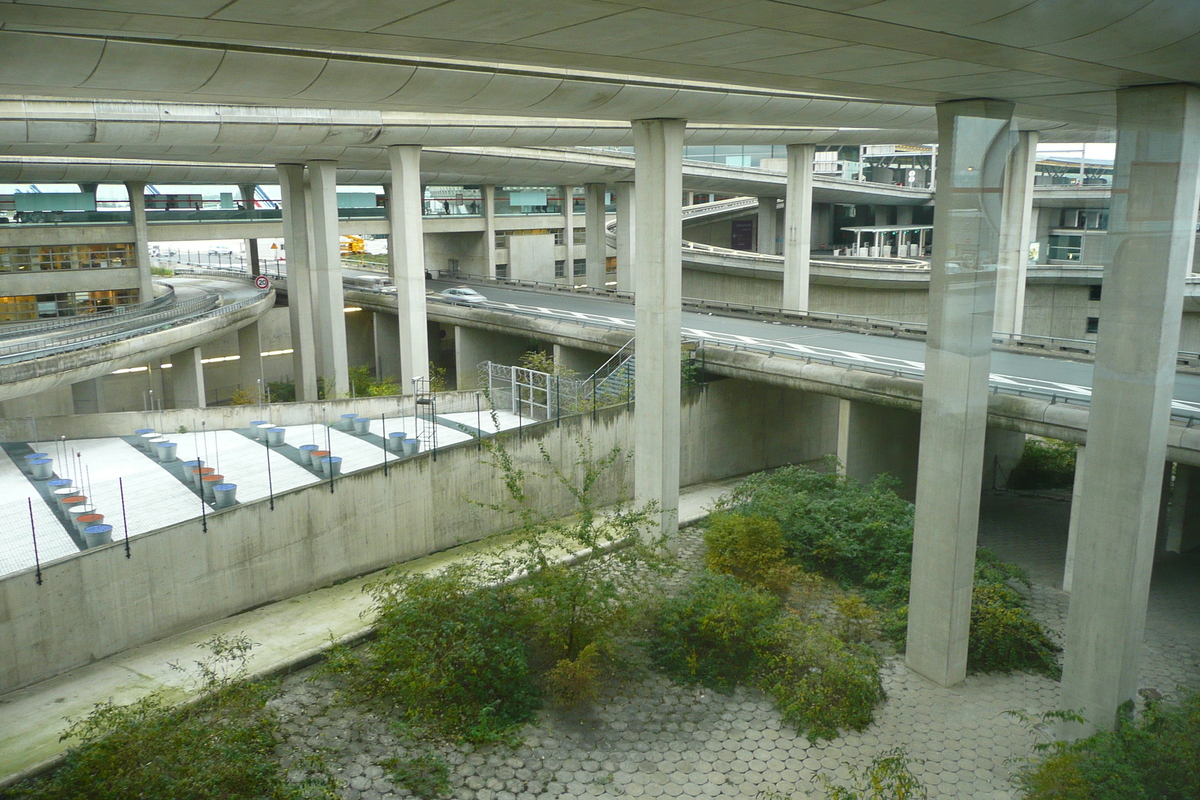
1151	233
247	190
299	280
578	361
1014	235
87	397
904	215
874	439
1183	519
250	365
658	282
766	225
975	138
596	248
625	237
328	316
568	211
1073	528
386	331
472	347
797	242
406	261
187	379
489	227
141	238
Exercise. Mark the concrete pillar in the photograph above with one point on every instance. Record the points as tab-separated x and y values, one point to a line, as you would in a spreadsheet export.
874	439
1152	227
386	333
406	262
904	215
250	365
187	379
596	247
87	397
625	237
1183	518
975	137
1014	234
582	363
797	242
489	227
1002	450
141	238
1073	527
329	326
299	280
568	211
360	338
767	214
658	150
247	190
472	347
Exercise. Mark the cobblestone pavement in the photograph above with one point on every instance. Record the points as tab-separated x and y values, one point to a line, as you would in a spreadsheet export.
652	738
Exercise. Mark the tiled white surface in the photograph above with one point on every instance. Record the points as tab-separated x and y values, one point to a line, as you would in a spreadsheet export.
16	540
243	462
410	425
508	421
355	452
153	497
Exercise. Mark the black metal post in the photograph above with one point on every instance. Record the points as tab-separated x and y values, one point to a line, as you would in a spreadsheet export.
203	508
383	422
33	531
270	482
557	403
479	423
593	400
124	515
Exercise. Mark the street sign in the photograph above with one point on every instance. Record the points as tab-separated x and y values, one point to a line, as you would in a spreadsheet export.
262	282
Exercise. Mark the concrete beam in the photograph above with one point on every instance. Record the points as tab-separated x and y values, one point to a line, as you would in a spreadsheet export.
974	141
658	148
1152	228
141	238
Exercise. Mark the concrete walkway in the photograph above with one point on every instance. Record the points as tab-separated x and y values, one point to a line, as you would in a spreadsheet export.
287	634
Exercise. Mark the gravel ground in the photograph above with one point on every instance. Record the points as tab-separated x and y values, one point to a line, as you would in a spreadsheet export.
648	737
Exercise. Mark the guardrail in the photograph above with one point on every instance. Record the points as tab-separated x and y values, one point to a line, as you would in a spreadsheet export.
22	329
182	313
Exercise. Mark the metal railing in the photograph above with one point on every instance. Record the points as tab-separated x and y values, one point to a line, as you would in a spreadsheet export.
182	313
11	330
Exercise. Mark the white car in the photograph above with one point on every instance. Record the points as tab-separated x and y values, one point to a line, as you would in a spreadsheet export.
220	250
462	294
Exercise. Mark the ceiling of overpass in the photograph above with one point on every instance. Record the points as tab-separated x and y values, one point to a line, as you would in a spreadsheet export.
868	63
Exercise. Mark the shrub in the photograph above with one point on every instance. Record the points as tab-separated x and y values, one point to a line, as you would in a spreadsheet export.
709	633
886	778
750	549
819	683
853	620
1156	756
1004	637
452	655
425	776
1044	464
221	747
575	682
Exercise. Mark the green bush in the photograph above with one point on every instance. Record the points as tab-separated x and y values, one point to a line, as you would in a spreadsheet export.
425	776
219	748
861	536
819	683
886	778
1044	464
452	655
1156	756
709	633
750	549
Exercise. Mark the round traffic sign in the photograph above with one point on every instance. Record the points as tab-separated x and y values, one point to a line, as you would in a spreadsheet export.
262	282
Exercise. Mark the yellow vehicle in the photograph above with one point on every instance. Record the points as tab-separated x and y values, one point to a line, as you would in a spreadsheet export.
352	244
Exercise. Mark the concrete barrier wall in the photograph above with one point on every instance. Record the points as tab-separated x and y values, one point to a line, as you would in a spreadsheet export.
98	603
